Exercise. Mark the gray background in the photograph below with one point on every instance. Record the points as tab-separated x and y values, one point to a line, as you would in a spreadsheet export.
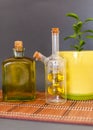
31	21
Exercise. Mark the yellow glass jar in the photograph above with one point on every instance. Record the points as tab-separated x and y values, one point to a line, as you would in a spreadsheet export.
79	73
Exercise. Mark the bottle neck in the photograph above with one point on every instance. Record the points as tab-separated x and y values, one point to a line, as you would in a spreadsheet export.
18	54
55	43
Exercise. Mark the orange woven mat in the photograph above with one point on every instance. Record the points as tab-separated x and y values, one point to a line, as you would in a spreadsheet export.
74	112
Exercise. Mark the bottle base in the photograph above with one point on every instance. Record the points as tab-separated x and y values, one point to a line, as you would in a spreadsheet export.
19	98
56	101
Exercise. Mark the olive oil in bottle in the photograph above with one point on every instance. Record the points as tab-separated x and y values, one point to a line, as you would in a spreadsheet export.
18	76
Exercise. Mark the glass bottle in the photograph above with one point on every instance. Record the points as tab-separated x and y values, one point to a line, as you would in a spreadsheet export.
18	76
55	72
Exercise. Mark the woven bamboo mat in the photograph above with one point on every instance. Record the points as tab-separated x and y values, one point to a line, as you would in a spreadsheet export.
72	112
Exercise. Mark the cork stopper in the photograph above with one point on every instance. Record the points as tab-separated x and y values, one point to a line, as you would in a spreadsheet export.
55	30
37	55
18	45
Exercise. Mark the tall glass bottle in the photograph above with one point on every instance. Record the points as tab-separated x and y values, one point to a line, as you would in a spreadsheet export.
55	72
18	76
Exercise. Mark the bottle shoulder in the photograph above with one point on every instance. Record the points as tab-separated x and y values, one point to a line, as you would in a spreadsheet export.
55	58
12	60
56	61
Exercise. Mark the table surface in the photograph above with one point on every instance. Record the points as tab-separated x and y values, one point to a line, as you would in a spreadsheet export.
72	112
13	124
7	124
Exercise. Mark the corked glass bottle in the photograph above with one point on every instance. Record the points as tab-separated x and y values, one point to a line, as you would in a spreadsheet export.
55	72
18	76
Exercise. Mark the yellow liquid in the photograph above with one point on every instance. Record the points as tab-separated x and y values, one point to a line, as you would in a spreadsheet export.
18	79
58	77
55	88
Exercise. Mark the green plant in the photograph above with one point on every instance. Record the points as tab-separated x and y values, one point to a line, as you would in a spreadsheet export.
79	34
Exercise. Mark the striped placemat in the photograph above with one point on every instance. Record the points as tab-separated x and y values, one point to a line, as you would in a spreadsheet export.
73	112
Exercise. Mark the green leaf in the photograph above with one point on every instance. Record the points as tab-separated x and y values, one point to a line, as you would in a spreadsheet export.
88	19
89	36
91	31
76	47
81	43
79	33
71	36
77	27
73	15
79	24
